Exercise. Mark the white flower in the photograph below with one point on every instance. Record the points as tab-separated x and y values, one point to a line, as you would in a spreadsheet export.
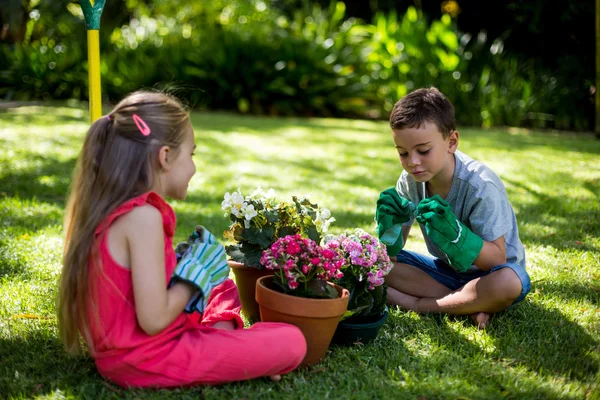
257	194
233	203
248	212
226	203
323	220
270	195
323	214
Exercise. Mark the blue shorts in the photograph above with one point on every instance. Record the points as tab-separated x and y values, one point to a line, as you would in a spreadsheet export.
444	274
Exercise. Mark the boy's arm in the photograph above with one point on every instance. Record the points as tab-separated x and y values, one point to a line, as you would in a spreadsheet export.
492	254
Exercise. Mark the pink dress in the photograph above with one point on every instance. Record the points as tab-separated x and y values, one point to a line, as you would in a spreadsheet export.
189	351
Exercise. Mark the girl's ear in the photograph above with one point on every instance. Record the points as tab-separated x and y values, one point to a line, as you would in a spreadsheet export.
453	142
164	155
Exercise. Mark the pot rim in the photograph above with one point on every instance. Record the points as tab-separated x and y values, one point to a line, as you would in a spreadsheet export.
335	307
239	265
374	324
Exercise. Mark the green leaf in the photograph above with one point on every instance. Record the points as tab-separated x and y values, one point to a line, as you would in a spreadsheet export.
313	234
287	230
263	237
271	216
245	253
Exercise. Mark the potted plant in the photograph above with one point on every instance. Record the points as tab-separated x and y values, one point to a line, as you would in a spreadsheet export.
299	292
257	221
366	263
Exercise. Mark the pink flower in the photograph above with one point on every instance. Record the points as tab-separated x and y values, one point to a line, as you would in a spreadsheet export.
292	248
328	254
297	258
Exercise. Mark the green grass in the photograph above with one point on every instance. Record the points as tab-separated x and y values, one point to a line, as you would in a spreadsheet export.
547	347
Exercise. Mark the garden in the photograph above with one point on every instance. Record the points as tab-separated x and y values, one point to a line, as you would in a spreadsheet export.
547	347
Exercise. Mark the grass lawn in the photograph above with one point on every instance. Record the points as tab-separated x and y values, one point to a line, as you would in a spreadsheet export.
547	347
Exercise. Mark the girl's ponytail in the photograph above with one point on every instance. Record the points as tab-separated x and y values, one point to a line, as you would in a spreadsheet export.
100	132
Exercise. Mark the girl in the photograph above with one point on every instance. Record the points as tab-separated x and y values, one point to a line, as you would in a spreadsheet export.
119	258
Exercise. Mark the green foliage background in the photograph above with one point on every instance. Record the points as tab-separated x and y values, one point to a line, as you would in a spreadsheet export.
260	57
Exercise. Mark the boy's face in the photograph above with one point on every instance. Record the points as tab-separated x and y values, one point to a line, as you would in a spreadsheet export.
425	154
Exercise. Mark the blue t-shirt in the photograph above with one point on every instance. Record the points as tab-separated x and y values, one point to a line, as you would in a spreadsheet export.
478	199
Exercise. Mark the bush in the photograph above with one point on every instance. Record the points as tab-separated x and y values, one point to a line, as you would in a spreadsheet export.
245	56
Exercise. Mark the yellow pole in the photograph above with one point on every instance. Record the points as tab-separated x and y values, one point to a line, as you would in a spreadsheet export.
93	41
92	11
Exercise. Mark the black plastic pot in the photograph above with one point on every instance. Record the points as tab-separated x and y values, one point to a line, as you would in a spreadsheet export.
348	333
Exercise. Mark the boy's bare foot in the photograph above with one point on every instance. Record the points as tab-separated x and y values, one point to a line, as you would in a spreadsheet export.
480	319
275	378
225	325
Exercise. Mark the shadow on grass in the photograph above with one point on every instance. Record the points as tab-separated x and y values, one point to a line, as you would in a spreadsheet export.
421	348
526	332
266	125
37	364
500	140
567	291
521	335
560	215
12	263
46	180
42	115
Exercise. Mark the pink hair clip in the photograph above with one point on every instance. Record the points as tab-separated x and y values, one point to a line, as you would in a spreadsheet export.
108	117
141	125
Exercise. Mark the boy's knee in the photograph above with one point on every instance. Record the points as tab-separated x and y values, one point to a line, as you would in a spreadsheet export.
509	285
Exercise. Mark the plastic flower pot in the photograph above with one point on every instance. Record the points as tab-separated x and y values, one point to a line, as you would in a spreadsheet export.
316	318
245	280
348	333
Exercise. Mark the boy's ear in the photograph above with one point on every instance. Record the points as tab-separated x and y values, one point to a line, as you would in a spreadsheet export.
453	142
164	155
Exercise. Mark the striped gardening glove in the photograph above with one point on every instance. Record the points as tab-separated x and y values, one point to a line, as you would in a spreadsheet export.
392	211
201	261
452	237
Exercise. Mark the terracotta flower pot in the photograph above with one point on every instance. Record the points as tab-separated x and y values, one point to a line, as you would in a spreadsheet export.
245	280
316	318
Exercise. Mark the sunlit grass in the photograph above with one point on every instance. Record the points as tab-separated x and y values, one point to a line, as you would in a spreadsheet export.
547	347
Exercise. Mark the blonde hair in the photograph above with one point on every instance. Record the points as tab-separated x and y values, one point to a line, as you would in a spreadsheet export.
117	163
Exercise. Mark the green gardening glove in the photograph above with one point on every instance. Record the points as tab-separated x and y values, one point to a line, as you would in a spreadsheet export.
459	243
201	262
392	211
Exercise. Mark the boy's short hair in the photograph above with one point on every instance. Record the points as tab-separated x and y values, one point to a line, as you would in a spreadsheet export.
421	106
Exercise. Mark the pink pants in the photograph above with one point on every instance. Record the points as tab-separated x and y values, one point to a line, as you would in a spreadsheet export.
200	354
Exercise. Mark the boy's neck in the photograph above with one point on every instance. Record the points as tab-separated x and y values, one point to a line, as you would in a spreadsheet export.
442	183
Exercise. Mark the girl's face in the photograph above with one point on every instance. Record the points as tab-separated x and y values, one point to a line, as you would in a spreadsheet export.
425	154
174	181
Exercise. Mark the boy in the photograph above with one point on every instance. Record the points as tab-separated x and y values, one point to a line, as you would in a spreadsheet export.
468	223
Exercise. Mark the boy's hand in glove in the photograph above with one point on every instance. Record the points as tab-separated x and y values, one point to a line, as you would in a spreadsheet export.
459	243
392	211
